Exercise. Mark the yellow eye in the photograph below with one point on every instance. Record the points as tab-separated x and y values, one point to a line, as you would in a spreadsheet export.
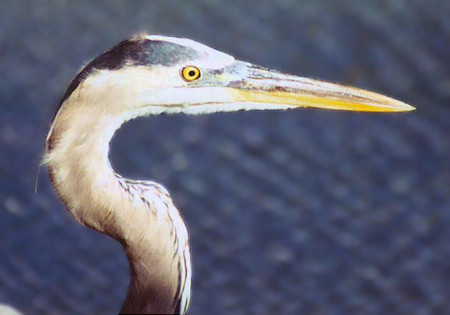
190	73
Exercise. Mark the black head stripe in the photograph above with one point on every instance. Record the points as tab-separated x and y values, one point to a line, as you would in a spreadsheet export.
164	53
134	52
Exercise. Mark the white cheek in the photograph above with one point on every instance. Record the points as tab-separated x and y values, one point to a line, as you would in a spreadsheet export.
137	77
183	96
163	78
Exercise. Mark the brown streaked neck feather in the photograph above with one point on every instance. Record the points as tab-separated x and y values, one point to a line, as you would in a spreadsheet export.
84	179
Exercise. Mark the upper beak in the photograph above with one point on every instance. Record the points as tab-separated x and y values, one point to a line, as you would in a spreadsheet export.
252	84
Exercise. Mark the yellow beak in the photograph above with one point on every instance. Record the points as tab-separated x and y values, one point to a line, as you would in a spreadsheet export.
259	86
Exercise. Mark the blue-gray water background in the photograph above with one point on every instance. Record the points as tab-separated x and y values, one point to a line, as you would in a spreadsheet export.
307	211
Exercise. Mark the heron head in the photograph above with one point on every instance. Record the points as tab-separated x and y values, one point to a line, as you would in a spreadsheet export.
156	74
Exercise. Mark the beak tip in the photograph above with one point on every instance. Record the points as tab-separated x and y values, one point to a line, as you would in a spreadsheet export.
406	107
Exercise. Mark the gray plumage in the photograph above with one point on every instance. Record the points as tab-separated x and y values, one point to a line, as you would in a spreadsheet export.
150	75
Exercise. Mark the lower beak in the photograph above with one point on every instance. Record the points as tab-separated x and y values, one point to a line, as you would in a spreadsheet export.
266	88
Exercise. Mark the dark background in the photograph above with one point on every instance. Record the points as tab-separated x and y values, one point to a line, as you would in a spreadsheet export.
307	211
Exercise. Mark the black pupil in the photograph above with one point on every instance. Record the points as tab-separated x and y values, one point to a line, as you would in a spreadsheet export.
191	73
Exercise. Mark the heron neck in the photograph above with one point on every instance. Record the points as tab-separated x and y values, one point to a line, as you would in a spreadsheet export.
84	179
79	166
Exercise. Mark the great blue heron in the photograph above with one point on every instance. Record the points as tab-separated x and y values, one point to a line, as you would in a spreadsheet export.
152	75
